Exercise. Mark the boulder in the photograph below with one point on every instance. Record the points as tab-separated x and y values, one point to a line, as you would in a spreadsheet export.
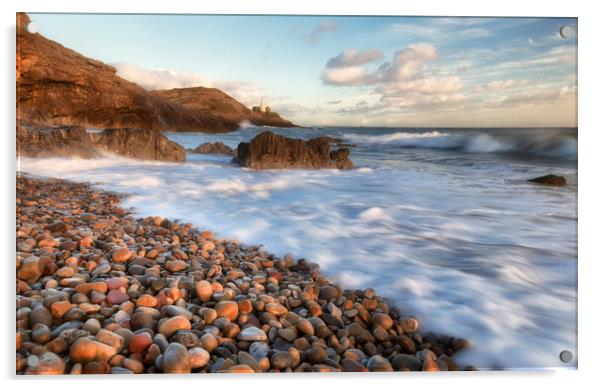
271	151
218	148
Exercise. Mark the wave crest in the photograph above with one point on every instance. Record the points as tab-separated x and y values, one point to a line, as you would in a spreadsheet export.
550	145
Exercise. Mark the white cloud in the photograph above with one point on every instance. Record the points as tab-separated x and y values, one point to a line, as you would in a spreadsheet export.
428	86
157	79
245	92
353	57
553	57
293	109
424	93
347	76
326	26
401	83
407	62
499	85
536	97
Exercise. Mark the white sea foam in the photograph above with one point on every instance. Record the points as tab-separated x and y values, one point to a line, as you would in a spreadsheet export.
143	182
394	137
372	214
472	252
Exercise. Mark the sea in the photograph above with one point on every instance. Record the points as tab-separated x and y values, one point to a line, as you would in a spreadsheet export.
441	221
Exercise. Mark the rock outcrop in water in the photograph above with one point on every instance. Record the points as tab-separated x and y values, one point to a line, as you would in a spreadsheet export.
550	180
59	86
271	151
218	148
67	141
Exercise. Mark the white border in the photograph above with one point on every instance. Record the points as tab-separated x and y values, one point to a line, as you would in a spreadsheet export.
589	177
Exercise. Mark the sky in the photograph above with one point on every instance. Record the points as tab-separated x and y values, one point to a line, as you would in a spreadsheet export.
348	71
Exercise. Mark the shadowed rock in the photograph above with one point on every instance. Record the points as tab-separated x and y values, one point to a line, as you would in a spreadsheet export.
70	141
271	151
218	148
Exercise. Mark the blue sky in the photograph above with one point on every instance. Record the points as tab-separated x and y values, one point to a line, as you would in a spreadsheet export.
390	71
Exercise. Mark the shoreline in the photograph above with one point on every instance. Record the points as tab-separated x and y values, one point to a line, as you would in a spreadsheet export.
101	291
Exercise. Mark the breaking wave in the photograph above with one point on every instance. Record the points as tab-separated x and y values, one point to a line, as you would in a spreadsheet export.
550	145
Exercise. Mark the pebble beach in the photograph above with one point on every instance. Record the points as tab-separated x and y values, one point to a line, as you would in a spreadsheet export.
100	290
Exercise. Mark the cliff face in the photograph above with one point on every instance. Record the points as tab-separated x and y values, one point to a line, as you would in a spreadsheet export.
58	86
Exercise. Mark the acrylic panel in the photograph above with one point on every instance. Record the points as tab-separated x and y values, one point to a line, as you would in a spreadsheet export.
237	193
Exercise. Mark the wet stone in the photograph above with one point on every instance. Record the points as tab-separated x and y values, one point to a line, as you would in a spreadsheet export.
280	360
175	359
172	325
40	314
198	356
259	350
378	363
316	355
172	311
252	334
190	340
209	342
247	359
406	362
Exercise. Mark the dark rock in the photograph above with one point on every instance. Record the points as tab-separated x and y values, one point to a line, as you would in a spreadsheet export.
66	326
141	321
214	148
269	150
340	159
280	360
58	226
40	314
407	344
449	363
328	293
378	363
350	365
406	362
459	344
550	180
175	359
316	355
188	339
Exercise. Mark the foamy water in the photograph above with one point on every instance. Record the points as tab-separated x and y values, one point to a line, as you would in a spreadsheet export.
441	223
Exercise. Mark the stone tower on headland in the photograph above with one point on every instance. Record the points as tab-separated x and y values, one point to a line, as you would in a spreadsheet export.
262	107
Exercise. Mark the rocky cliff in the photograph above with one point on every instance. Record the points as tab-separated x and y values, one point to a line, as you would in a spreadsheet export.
58	86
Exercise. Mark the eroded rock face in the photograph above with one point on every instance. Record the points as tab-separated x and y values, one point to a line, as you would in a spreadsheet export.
271	151
68	141
218	148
